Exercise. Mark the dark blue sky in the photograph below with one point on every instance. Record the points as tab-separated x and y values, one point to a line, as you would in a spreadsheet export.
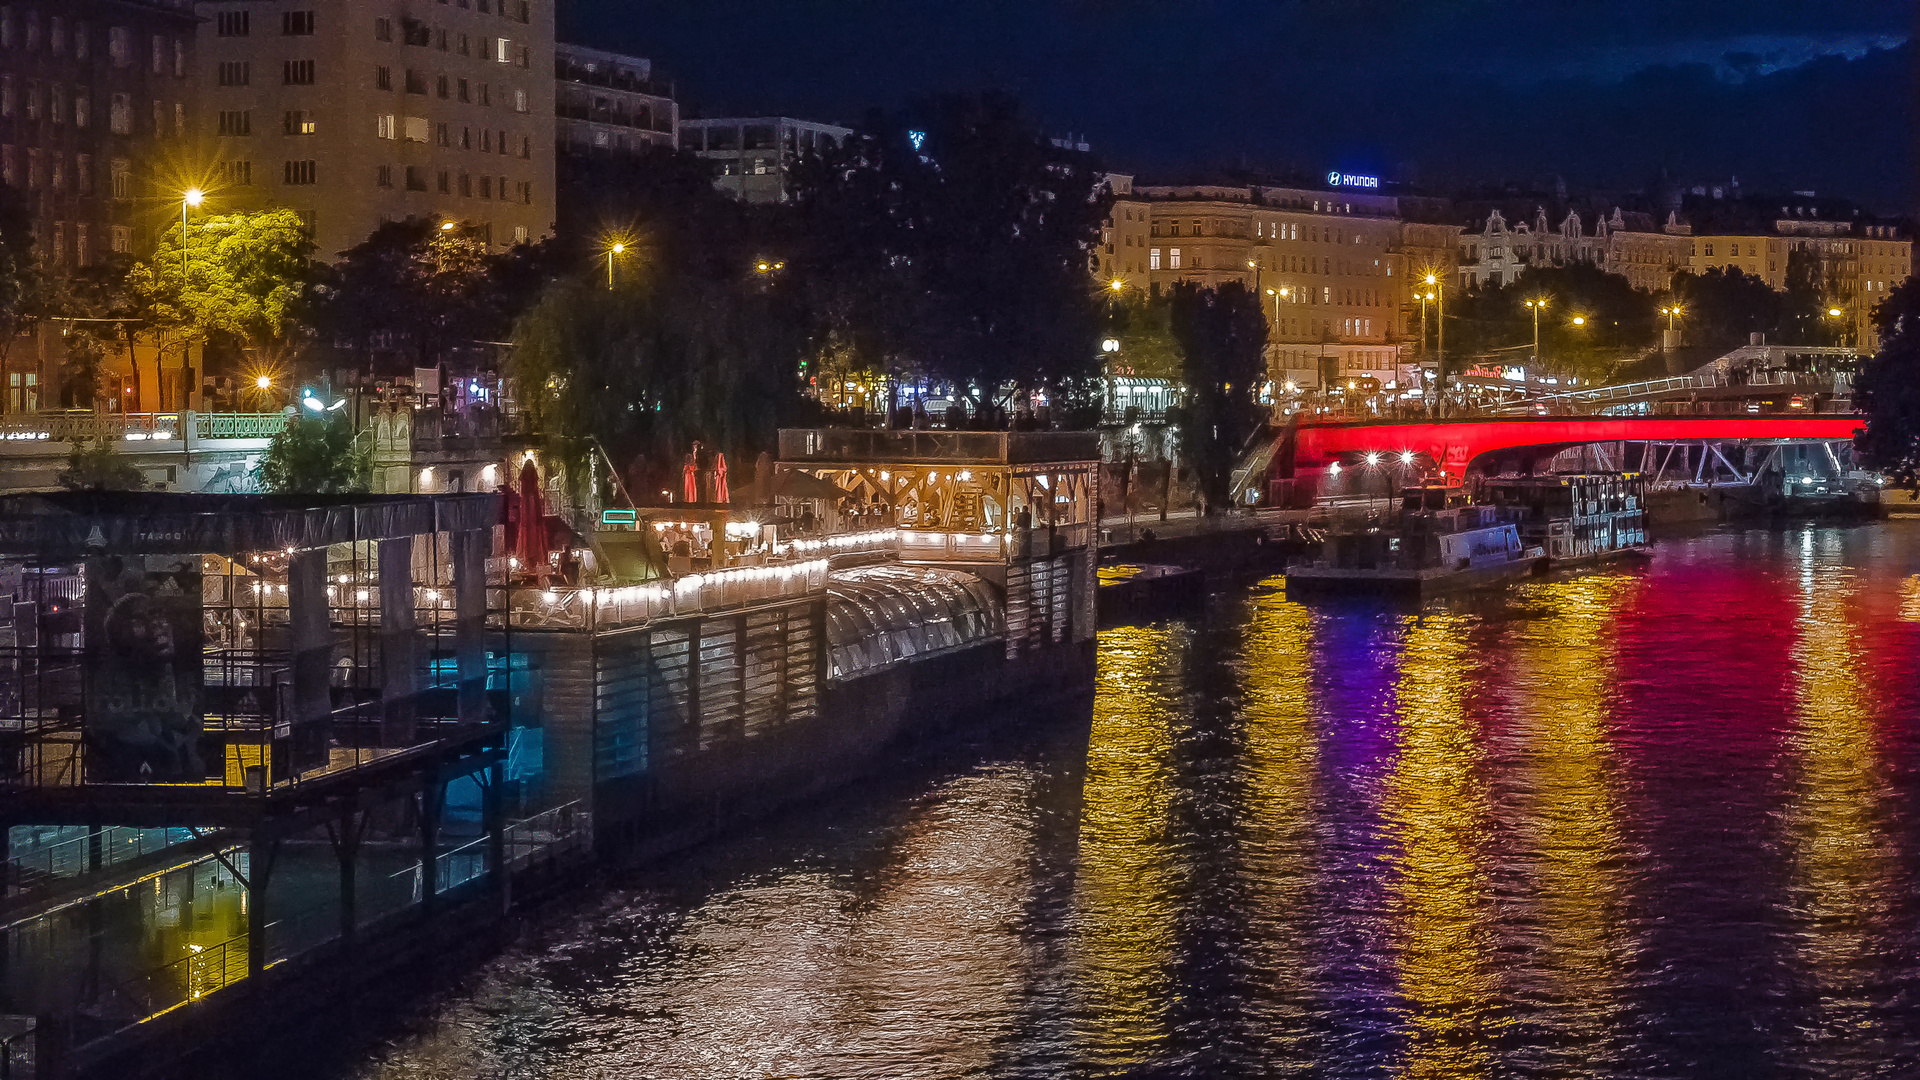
1796	94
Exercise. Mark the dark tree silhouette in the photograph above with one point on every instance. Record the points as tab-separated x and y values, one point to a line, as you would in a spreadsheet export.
1887	389
1222	334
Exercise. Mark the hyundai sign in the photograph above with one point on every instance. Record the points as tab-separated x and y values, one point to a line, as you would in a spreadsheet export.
1337	178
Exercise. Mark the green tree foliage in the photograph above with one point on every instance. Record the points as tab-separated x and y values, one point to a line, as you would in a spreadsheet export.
1723	307
97	467
103	297
1222	335
316	455
1493	322
244	276
1887	389
650	367
427	289
662	205
1812	286
1143	325
963	258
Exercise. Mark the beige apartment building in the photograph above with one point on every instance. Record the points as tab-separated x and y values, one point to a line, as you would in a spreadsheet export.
357	112
1333	269
1858	264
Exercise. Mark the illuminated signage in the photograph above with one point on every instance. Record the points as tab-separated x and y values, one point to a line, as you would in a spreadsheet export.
1336	178
619	517
917	138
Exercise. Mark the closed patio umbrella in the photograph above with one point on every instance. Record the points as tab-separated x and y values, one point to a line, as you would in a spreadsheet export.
720	492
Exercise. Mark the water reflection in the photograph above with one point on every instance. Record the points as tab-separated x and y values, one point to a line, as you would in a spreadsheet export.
1841	859
1128	883
1656	822
1559	823
1437	799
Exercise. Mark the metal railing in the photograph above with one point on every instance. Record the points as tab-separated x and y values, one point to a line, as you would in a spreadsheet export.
862	445
550	833
72	857
75	426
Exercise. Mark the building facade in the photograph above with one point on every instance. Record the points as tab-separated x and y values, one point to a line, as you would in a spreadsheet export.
365	111
1854	263
1628	244
609	103
752	157
1333	269
95	122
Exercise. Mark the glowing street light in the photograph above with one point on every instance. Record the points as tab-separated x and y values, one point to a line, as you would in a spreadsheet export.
1116	285
263	383
1283	291
190	199
1579	320
616	248
1538	304
1438	294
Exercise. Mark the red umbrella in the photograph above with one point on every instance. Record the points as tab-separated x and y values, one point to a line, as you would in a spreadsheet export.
532	538
720	493
693	475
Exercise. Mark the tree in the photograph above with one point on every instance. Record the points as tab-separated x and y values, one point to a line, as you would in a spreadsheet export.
316	455
23	288
1887	389
98	467
1222	334
648	368
1725	306
1143	325
419	290
1812	286
242	281
953	241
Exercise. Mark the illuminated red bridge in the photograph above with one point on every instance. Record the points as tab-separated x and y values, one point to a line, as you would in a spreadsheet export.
1454	446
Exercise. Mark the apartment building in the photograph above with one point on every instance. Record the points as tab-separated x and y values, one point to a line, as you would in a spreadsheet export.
357	112
95	113
1856	263
752	156
1628	244
609	103
1332	268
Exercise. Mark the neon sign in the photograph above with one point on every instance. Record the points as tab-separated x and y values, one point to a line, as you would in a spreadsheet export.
1336	178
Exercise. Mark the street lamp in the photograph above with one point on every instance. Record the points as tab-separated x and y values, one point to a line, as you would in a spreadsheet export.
1116	284
1276	303
191	199
263	383
1538	304
1439	298
1579	320
615	249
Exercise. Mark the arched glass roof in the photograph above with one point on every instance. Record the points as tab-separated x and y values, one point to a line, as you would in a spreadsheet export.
883	614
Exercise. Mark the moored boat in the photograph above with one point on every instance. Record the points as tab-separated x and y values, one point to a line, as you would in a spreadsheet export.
1426	548
1577	519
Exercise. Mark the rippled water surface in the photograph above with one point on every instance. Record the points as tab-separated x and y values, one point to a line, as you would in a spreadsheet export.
1655	822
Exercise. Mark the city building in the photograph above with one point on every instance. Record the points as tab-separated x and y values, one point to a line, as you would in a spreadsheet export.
610	103
753	156
1624	243
1331	267
366	111
95	114
1855	263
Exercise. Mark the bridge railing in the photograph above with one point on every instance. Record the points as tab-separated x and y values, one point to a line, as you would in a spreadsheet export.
86	426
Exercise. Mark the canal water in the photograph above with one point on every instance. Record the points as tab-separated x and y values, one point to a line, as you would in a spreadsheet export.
1653	822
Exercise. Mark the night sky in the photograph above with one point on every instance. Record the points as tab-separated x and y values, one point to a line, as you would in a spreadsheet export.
1783	94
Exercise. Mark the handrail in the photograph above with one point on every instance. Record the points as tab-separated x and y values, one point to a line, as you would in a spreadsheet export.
76	426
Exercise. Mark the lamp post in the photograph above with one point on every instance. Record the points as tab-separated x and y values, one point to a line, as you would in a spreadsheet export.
616	249
193	197
1538	304
1671	311
1439	297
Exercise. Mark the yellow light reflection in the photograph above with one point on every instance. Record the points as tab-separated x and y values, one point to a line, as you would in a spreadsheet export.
1566	815
1281	760
1126	891
1436	801
1910	599
1842	860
